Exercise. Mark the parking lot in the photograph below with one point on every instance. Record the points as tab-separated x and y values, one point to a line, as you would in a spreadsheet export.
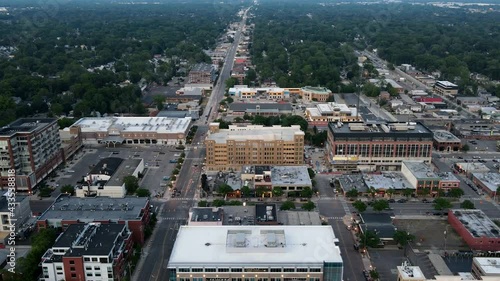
429	234
156	161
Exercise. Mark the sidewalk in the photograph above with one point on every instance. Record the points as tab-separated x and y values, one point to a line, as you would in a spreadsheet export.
365	257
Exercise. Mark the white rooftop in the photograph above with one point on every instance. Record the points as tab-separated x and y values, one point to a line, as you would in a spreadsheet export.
290	175
327	109
446	83
254	245
134	124
445	136
256	132
490	180
490	266
419	169
411	273
386	180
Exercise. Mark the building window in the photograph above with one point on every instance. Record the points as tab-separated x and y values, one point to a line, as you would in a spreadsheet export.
275	269
315	269
301	269
183	270
71	262
210	270
288	269
72	268
88	268
197	269
223	269
73	275
86	259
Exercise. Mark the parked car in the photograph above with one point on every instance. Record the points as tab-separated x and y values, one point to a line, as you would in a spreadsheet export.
425	201
391	201
402	200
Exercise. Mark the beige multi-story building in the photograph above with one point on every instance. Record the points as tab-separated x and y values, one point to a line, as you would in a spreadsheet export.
253	145
30	148
446	88
315	93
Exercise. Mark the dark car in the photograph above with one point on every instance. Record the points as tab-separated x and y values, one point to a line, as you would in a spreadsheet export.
402	201
391	201
425	201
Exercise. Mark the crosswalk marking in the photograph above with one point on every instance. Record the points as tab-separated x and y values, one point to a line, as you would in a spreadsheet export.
182	199
173	219
334	218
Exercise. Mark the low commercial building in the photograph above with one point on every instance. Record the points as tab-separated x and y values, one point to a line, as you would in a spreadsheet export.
476	129
320	94
132	211
264	109
13	213
288	178
414	273
238	146
448	181
381	224
420	175
387	180
446	141
486	267
106	178
91	251
322	114
469	168
487	182
476	229
202	73
373	146
255	253
133	130
445	88
269	93
30	149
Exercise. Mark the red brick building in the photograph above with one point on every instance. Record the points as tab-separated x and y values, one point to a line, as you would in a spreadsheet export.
478	231
91	251
132	211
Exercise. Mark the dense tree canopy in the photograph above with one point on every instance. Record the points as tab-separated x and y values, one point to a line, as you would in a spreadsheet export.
54	63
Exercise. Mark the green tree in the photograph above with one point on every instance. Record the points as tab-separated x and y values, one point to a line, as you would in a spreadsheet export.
374	274
224	189
245	191
311	172
442	204
353	193
175	171
309	206
369	238
231	82
131	184
456	192
306	192
142	192
203	203
65	122
380	205
287	205
277	191
465	147
390	192
260	191
403	237
40	242
407	192
218	203
159	101
359	205
467	204
68	189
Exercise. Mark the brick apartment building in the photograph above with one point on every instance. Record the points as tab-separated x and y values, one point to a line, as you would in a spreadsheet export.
376	146
478	231
92	251
253	145
31	147
132	211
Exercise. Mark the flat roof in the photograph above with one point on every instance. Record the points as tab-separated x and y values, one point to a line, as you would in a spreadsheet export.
477	223
4	204
490	265
411	272
26	125
126	168
299	218
420	169
254	245
316	90
290	175
190	91
202	67
326	109
474	167
447	176
349	182
386	180
381	223
244	106
239	215
134	124
490	180
380	128
445	84
89	209
445	136
106	166
201	214
256	132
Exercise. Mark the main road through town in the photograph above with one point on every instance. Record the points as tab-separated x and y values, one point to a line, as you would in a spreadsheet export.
174	212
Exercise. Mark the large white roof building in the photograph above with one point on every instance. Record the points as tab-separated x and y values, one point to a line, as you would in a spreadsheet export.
133	130
255	252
